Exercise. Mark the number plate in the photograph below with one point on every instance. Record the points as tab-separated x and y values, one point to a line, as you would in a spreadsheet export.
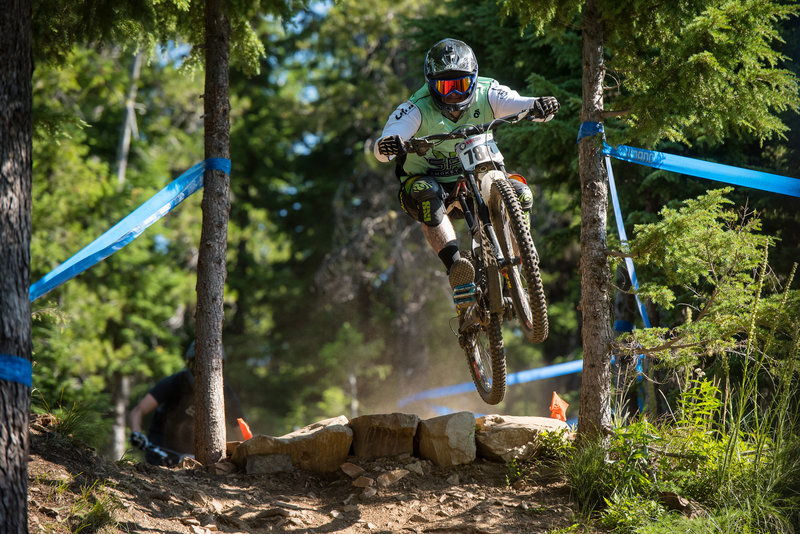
478	149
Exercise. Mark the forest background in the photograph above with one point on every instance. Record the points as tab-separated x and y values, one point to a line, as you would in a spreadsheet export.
334	304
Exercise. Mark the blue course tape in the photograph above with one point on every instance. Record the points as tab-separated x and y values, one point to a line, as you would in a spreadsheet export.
706	169
623	238
659	160
559	369
16	369
623	326
130	227
589	129
514	378
217	164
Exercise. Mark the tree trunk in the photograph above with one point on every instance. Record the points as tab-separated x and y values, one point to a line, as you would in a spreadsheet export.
121	384
209	434
16	168
120	396
594	417
129	122
412	357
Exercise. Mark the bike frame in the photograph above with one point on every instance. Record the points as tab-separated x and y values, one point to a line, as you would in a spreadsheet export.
500	291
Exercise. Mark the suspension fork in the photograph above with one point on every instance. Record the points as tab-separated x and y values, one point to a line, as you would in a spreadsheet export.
482	213
469	218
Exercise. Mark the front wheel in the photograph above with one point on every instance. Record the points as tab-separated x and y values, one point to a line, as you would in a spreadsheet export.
522	274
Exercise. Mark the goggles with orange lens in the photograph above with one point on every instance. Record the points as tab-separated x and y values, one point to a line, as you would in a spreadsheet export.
460	85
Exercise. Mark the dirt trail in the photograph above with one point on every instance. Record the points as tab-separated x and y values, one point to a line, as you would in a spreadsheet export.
65	481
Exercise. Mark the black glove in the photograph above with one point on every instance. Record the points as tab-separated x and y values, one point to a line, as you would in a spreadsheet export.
138	440
544	109
391	145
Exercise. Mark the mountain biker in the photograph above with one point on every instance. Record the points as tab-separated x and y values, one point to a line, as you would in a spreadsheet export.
172	401
453	96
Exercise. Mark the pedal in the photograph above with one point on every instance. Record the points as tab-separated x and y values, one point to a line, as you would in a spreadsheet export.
464	295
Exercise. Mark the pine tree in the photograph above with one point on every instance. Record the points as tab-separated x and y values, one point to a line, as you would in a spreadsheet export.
703	69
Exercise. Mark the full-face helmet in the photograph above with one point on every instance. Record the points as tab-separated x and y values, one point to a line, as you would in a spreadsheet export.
451	71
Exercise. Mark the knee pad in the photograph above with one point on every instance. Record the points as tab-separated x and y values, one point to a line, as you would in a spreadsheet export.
524	195
421	197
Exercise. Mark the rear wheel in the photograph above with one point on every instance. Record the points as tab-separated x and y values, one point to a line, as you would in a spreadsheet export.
482	343
523	278
486	357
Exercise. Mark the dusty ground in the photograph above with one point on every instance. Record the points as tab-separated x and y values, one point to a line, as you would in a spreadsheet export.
73	490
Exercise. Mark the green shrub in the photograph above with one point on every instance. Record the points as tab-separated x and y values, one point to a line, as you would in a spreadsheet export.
516	470
77	422
554	445
625	512
588	476
631	461
725	522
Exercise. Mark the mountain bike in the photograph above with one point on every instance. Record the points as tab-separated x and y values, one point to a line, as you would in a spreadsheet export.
508	284
161	455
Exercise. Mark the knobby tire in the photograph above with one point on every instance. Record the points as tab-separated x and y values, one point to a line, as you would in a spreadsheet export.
528	299
483	342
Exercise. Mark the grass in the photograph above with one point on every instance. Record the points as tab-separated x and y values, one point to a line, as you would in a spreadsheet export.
74	421
82	508
731	447
94	510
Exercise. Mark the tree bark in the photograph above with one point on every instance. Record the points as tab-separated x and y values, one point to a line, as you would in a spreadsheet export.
120	396
594	417
16	169
120	383
129	122
209	434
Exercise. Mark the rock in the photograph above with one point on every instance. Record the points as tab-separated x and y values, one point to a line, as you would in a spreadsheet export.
387	479
189	463
265	464
520	484
448	439
351	470
364	482
230	446
380	435
445	441
416	467
321	447
681	504
225	467
502	438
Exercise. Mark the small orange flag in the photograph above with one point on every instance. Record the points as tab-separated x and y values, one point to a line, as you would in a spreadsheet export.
558	408
245	429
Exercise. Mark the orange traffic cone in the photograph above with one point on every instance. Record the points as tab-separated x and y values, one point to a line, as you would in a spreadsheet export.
246	434
558	408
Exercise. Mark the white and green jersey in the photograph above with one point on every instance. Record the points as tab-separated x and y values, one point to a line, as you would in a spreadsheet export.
419	117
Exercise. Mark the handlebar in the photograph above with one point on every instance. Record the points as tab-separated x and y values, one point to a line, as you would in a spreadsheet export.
421	145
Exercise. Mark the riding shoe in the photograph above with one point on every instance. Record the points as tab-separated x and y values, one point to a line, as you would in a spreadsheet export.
462	276
461	273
